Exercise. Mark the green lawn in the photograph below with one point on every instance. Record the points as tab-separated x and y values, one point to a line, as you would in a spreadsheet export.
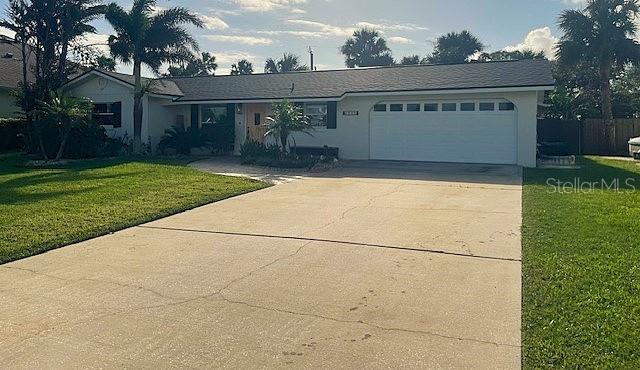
41	209
581	269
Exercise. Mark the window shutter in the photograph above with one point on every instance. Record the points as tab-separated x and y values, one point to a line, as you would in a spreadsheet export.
332	114
116	109
231	113
194	116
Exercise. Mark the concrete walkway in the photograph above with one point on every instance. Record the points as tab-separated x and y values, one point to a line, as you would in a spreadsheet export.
371	265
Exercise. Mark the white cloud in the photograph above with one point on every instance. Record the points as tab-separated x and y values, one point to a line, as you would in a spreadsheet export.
539	39
214	23
7	32
267	5
323	29
96	40
386	26
400	40
230	57
247	40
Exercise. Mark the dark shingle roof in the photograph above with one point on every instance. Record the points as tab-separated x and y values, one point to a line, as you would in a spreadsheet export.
335	83
10	64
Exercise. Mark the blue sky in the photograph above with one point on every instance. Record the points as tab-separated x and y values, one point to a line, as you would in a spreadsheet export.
258	29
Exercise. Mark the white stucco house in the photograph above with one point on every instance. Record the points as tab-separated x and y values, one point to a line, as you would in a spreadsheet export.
474	113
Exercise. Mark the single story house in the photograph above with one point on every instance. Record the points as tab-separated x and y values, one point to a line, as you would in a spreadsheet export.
475	112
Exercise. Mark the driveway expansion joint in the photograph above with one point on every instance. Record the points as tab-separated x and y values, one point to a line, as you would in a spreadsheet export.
360	244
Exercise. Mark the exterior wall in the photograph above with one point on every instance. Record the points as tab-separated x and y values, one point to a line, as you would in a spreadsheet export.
161	118
8	106
352	132
101	90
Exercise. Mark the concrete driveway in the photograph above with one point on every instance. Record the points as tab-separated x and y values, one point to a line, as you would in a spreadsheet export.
372	265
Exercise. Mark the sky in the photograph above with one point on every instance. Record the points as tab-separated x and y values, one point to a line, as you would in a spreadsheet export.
260	29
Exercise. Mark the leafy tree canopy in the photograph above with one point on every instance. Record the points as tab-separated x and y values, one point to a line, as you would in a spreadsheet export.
243	67
366	48
455	48
204	65
288	63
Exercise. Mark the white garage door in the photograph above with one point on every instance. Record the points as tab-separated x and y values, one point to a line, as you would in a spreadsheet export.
454	131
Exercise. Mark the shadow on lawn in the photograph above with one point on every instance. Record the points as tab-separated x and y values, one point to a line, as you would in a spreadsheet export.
592	170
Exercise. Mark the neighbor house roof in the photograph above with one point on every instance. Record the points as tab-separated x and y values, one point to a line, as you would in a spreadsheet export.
336	83
10	64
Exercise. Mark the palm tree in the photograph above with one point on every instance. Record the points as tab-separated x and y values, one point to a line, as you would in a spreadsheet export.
601	34
205	65
286	119
455	48
367	48
65	111
243	67
143	37
410	60
288	63
511	55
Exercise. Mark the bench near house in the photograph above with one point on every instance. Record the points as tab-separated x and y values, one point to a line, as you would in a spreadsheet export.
474	113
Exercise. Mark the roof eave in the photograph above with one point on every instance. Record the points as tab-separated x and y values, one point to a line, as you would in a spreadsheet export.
182	101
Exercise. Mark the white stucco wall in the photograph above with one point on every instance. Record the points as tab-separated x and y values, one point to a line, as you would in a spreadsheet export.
102	90
352	132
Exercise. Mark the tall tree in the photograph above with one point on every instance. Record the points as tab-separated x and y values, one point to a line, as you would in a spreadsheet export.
45	31
243	67
66	111
511	55
366	48
601	34
205	65
104	62
288	63
410	60
455	48
152	39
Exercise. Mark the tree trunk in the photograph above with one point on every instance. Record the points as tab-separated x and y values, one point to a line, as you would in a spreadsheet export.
63	144
283	141
607	111
137	108
43	150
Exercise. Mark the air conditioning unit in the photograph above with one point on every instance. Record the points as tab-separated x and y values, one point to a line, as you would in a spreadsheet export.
634	147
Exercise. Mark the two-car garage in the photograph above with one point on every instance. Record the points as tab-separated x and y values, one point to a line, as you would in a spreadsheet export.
470	131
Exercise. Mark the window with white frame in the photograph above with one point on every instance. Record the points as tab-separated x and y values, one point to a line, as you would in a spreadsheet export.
316	113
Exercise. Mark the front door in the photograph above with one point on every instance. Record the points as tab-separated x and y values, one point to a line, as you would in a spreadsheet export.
256	115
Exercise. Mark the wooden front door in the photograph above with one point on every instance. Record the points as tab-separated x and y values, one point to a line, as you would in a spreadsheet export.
256	115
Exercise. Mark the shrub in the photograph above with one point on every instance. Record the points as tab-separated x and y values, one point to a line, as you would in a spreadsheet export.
220	136
252	149
90	140
182	140
12	131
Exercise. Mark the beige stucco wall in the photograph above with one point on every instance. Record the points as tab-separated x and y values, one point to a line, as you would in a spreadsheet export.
8	106
352	132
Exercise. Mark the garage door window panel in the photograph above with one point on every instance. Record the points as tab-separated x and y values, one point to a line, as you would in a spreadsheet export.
380	108
467	107
431	107
413	107
504	107
487	107
449	107
396	107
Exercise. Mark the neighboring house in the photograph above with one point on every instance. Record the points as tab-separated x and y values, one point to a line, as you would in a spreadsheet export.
476	113
10	76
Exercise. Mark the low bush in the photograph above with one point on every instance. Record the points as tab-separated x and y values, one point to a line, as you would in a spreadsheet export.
182	140
220	137
12	131
253	149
